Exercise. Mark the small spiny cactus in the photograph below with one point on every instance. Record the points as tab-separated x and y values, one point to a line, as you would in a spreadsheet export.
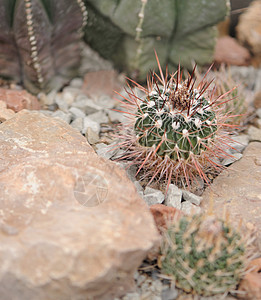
238	105
176	131
203	254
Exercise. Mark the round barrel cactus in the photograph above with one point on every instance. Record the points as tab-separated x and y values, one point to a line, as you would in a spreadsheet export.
204	255
176	130
127	32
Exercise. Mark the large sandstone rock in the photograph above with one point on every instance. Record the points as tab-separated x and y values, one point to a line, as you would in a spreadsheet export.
72	225
239	190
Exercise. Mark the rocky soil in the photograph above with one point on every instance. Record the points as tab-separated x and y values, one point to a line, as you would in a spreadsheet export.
62	196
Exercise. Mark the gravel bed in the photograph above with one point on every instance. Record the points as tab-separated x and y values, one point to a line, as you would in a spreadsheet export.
95	119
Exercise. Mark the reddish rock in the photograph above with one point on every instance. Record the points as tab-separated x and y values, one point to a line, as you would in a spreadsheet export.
251	283
249	30
5	113
18	100
229	51
238	190
72	224
103	82
163	214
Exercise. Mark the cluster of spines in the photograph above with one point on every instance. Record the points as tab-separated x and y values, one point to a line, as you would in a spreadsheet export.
173	98
204	255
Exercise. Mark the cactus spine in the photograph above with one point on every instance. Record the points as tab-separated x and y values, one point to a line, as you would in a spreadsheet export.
204	255
176	130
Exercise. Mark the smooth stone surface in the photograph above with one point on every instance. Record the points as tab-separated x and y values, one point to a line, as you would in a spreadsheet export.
188	196
72	225
254	133
189	208
239	143
62	115
229	160
76	112
174	196
153	196
238	190
77	124
88	123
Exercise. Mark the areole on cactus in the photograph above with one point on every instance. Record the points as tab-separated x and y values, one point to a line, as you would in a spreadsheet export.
176	130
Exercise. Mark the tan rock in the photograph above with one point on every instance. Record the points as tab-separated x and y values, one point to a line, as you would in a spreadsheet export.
254	134
72	225
251	283
229	51
257	100
249	29
238	190
103	82
18	100
5	113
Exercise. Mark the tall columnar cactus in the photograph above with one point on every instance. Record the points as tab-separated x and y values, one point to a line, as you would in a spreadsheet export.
204	255
40	41
176	131
127	32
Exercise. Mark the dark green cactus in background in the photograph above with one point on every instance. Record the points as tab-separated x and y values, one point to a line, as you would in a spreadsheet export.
40	41
127	32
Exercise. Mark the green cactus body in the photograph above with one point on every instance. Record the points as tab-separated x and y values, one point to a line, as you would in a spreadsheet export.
180	31
177	131
159	120
204	255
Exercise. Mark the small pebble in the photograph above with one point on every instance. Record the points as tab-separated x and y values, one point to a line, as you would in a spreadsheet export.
138	187
91	136
169	294
88	123
192	198
258	113
99	117
63	105
188	208
86	104
174	195
241	141
76	83
77	124
229	160
76	113
62	115
131	172
153	196
105	101
254	133
115	116
103	150
68	97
